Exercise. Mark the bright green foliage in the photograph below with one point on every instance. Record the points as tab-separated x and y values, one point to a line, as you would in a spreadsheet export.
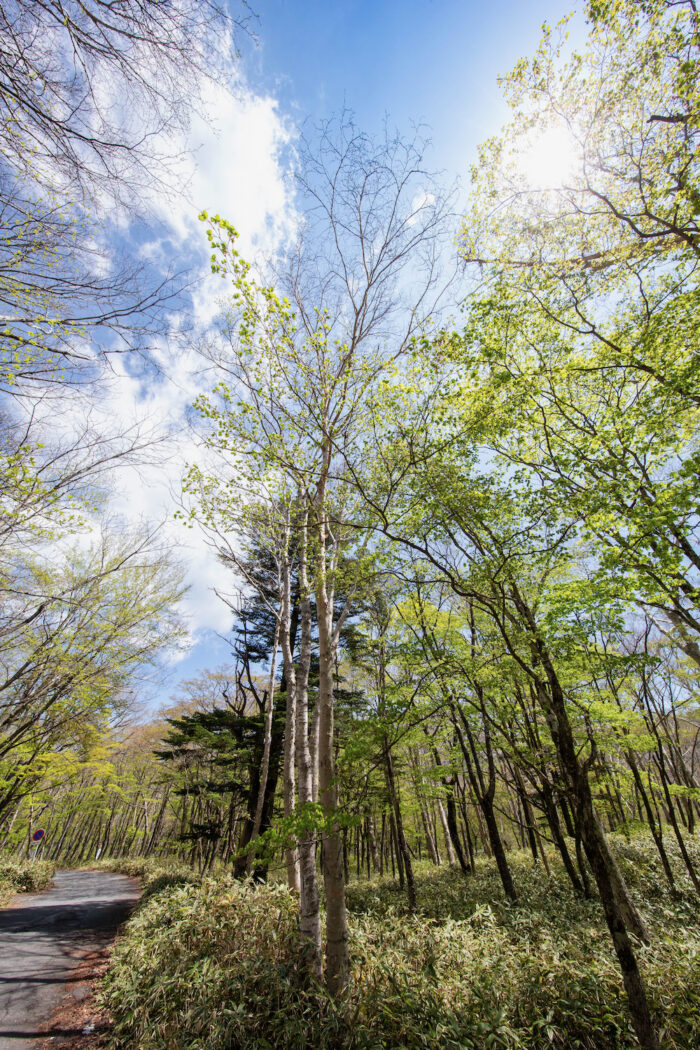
217	967
513	667
578	365
72	634
624	113
154	873
218	962
46	285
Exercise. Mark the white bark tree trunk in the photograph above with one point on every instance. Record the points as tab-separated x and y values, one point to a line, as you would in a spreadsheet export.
289	772
267	745
337	969
310	918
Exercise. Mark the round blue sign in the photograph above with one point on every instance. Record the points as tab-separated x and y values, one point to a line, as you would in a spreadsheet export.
38	835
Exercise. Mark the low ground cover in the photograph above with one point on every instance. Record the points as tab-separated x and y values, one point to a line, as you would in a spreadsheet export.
23	876
216	965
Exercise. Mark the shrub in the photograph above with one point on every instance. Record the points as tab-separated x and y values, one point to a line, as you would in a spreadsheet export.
216	967
24	876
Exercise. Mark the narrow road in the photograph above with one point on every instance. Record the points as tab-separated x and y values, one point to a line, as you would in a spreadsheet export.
43	937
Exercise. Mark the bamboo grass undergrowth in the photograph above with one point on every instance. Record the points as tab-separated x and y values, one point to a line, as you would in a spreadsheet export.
219	965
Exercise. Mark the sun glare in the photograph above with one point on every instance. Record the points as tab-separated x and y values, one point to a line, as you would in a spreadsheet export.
549	159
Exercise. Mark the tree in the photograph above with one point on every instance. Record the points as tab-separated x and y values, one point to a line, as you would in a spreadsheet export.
87	88
622	115
90	93
584	342
504	554
87	92
295	365
71	633
217	753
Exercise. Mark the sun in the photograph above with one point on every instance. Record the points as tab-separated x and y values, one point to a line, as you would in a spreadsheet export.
549	159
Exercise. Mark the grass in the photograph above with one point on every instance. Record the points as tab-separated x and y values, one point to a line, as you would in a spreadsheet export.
23	876
215	966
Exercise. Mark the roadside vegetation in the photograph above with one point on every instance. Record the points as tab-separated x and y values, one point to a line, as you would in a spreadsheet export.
154	874
219	964
23	876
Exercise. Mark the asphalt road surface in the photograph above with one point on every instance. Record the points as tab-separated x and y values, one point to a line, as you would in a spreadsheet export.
43	937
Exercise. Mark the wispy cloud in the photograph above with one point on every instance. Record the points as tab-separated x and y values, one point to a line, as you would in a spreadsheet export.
235	165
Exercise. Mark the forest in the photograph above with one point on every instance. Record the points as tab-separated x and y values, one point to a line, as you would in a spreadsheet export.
444	792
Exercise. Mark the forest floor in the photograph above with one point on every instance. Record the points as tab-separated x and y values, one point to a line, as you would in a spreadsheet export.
215	963
52	945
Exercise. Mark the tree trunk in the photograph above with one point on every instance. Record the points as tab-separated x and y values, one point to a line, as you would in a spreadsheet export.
337	958
267	741
550	812
484	792
402	851
291	855
620	913
310	909
656	829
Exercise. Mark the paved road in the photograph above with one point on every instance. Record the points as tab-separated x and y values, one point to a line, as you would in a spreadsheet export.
43	936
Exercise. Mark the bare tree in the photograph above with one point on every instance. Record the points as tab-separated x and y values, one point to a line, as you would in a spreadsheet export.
297	368
92	95
87	87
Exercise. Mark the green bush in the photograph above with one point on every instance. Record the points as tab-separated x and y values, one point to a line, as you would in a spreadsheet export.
24	876
216	967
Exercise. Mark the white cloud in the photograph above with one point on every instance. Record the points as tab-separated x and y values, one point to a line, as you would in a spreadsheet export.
144	489
235	167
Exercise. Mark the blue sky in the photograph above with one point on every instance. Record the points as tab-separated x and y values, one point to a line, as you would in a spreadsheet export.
432	62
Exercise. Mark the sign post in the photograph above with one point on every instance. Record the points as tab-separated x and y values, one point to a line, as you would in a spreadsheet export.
37	837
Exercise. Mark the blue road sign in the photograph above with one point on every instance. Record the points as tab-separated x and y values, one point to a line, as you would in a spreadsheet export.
38	835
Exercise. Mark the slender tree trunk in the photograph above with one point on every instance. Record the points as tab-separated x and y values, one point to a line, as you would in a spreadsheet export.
550	812
313	745
660	760
484	792
395	853
428	830
372	840
291	854
449	820
10	825
267	741
620	913
451	858
402	851
528	816
656	829
337	958
465	820
310	909
159	821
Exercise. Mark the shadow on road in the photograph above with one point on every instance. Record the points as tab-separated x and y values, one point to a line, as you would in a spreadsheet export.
43	940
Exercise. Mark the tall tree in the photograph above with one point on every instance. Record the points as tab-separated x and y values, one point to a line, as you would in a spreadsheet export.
295	366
